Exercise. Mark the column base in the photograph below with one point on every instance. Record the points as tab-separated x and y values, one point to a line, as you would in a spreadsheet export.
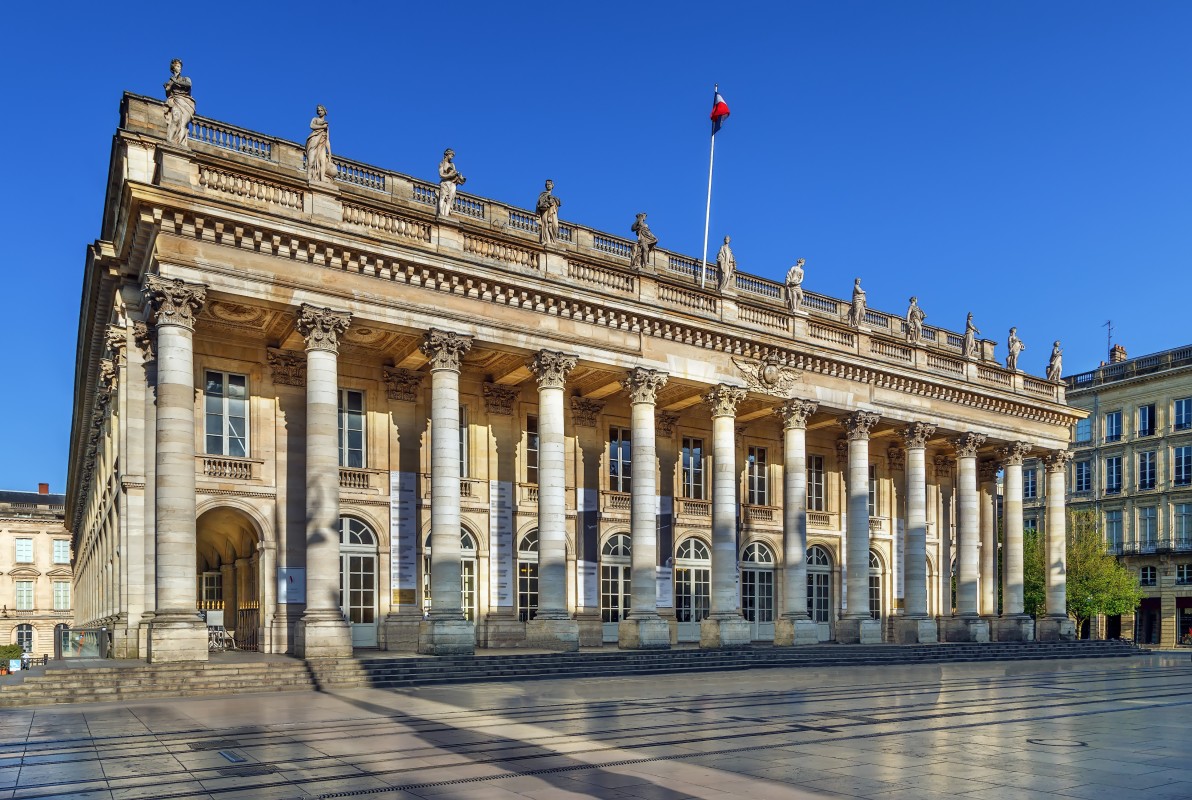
1055	629
790	632
591	629
400	632
1014	629
446	637
966	629
501	630
650	633
715	634
916	631
553	634
322	637
859	630
176	637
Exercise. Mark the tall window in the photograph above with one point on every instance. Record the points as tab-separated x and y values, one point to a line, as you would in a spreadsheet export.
693	468
1113	475
532	450
759	494
819	586
351	428
25	637
1181	465
615	579
1113	530
815	483
875	586
61	551
1084	430
1182	526
1030	484
24	551
1113	426
463	441
620	458
527	577
1146	469
1083	481
1182	418
1148	576
1148	526
62	595
1146	420
872	490
24	595
1030	524
1183	574
225	406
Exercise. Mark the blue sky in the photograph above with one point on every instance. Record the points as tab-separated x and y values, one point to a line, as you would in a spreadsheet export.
1025	161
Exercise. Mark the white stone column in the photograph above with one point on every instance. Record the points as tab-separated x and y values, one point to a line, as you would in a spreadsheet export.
322	631
644	629
916	626
178	633
725	627
856	625
1057	625
445	631
1013	625
987	475
552	628
967	625
794	626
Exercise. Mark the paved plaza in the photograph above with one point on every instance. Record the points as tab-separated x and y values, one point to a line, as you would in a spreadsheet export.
1114	728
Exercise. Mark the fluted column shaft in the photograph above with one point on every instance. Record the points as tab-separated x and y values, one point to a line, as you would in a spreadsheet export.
1057	534
970	522
856	590
988	556
1012	527
794	506
551	370
915	555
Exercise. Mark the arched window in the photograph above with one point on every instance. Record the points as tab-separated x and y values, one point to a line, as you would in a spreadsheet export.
819	584
693	549
615	594
467	552
693	584
358	580
758	553
24	637
875	585
354	532
527	576
757	589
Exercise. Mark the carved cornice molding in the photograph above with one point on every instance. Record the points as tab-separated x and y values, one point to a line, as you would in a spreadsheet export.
550	368
795	412
896	457
1014	453
858	424
288	367
174	301
1057	460
967	444
916	434
403	385
445	349
723	399
665	421
643	384
585	411
499	399
322	327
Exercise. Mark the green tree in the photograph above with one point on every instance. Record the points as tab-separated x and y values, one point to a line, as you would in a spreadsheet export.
1034	573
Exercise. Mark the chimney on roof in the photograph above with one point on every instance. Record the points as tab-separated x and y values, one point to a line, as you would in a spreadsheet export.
1117	354
43	488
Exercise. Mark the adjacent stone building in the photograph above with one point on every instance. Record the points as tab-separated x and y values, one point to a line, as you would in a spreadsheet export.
35	571
354	407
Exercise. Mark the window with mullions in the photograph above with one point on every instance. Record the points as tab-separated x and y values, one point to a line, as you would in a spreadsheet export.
1183	574
225	407
24	551
1146	469
693	468
875	586
62	595
620	460
1148	576
1182	524
1113	475
351	428
1084	430
463	441
527	577
1182	417
532	450
1030	484
1083	477
1146	420
815	483
24	595
1181	466
1148	527
61	551
1113	426
872	490
1113	530
759	489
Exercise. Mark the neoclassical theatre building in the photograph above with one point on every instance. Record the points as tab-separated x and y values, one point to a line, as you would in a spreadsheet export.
353	408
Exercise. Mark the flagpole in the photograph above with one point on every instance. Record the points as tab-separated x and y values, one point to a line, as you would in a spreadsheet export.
703	273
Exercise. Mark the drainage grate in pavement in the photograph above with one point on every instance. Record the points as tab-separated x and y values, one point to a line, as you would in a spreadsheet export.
247	771
214	744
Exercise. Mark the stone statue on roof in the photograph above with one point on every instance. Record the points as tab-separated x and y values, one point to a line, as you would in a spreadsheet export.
449	181
180	106
644	246
726	262
794	286
548	214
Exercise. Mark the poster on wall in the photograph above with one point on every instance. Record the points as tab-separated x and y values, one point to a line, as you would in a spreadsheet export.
403	538
500	537
587	574
899	574
291	585
666	595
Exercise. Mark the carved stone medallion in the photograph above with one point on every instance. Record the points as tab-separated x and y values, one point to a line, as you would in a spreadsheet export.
769	375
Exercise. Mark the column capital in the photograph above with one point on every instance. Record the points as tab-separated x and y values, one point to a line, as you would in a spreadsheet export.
916	435
967	444
942	465
643	384
401	384
288	367
551	368
142	336
584	411
321	327
499	399
116	338
723	399
795	412
858	424
1057	460
174	301
896	457
1013	454
445	349
665	422
987	471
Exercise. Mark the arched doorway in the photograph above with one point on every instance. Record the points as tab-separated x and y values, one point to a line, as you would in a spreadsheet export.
358	580
615	570
757	590
693	583
228	567
467	552
23	635
527	576
819	590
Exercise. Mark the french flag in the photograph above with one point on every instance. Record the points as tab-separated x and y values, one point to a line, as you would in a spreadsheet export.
719	112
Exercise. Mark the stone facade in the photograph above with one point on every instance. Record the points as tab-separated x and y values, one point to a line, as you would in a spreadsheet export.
35	569
591	449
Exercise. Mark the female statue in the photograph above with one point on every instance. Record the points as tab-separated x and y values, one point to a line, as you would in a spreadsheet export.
856	312
794	286
319	168
914	322
1014	346
180	106
1055	367
970	337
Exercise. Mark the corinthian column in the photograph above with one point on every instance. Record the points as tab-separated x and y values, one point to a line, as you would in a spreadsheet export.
1057	625
724	627
916	626
322	631
552	628
987	475
795	625
856	624
644	629
967	625
1013	625
177	633
445	631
